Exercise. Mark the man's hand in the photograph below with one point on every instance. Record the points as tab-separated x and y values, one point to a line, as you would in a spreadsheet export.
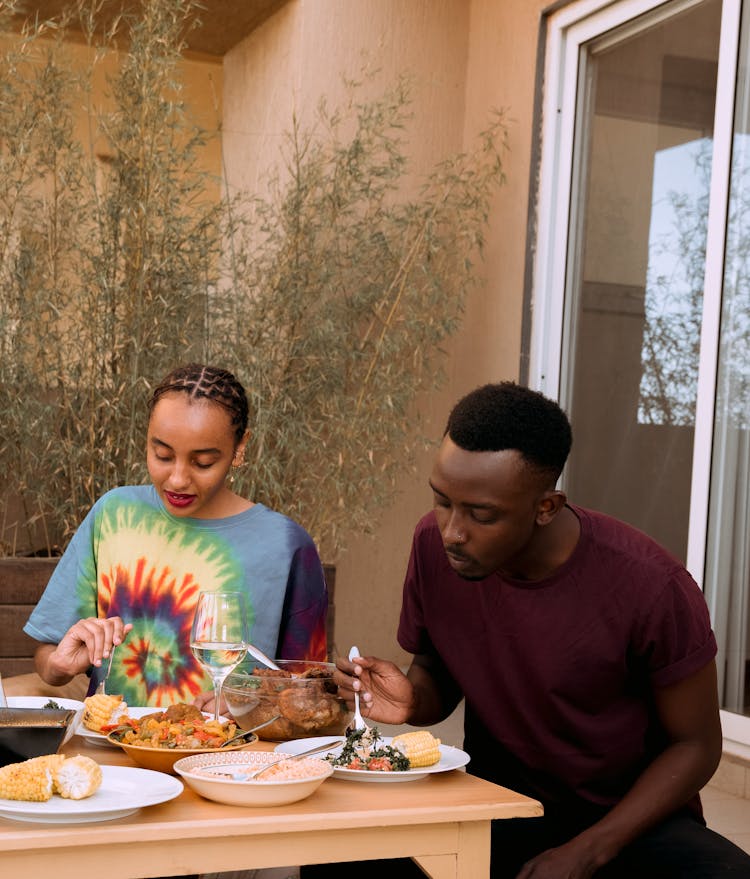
386	694
570	861
205	702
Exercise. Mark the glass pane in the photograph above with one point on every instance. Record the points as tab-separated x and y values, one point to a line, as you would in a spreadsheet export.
728	549
634	313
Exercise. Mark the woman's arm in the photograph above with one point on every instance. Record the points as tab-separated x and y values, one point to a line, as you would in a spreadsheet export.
86	643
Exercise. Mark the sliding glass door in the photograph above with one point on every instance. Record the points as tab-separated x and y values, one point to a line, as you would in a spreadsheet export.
641	318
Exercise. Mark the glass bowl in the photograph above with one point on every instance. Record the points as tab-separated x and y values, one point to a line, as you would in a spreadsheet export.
302	693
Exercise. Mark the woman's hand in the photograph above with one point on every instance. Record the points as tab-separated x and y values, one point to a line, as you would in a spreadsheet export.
205	701
88	642
386	693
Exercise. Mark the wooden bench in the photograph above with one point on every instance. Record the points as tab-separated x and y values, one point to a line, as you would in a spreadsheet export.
22	582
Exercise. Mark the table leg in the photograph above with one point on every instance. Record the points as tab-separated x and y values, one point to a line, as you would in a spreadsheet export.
472	861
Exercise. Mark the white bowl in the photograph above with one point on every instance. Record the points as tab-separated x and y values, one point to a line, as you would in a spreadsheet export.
41	701
242	792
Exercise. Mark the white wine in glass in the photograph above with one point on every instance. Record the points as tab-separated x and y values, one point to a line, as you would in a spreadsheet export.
220	636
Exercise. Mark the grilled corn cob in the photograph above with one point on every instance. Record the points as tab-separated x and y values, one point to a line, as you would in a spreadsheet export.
28	781
49	761
101	709
421	747
78	777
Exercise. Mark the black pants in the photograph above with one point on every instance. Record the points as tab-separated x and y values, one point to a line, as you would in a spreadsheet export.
679	848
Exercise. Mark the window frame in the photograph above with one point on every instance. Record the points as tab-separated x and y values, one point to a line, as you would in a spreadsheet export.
567	32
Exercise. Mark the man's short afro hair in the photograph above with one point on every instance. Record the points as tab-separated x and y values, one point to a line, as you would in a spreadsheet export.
502	416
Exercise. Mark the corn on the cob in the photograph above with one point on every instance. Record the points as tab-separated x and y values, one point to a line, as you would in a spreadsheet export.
26	781
421	747
78	777
101	709
53	762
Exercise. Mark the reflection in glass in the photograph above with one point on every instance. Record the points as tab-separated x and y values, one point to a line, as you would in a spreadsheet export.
644	139
728	549
674	284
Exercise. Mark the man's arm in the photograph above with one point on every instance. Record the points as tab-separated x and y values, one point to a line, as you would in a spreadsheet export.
435	692
689	714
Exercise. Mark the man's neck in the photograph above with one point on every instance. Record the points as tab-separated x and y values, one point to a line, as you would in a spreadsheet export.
551	546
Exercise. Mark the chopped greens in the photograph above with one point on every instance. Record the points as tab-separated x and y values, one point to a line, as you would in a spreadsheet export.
368	755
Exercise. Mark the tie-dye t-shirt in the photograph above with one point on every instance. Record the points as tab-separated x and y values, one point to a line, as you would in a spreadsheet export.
133	559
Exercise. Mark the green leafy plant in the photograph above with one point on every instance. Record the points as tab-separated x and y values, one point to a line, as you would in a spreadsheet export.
330	293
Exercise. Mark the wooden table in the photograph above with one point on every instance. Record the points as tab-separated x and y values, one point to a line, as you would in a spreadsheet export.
443	821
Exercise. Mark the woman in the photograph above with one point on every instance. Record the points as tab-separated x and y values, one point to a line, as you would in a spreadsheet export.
132	572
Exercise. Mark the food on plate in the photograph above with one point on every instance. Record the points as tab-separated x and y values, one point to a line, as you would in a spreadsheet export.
48	761
420	746
101	710
301	695
362	751
26	781
77	777
282	770
179	727
37	779
311	709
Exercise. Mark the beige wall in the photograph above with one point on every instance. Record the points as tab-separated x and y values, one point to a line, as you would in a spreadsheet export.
467	56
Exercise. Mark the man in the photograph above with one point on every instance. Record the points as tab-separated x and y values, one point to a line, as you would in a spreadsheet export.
583	649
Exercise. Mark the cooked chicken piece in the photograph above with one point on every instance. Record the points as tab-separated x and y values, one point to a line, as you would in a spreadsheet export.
323	675
281	729
174	713
308	707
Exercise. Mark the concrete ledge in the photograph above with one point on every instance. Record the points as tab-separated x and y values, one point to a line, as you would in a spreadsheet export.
733	775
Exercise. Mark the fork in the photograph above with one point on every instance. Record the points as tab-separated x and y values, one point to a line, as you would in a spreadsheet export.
101	688
357	722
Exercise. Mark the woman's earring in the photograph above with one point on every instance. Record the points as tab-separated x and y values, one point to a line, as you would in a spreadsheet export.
239	460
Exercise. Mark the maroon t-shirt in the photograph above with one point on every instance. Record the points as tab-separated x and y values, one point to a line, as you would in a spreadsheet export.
557	673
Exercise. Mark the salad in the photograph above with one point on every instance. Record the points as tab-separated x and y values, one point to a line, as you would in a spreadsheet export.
363	751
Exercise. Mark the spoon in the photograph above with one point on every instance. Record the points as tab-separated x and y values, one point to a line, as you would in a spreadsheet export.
357	722
261	657
246	733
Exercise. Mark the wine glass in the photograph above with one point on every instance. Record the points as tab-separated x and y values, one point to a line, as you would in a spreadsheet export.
219	636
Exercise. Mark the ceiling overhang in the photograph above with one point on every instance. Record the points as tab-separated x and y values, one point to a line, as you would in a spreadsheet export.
222	23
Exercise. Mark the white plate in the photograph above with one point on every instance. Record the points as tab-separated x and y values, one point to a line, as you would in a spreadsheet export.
96	738
123	791
41	701
450	758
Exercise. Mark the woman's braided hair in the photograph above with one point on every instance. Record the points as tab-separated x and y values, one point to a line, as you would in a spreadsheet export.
199	381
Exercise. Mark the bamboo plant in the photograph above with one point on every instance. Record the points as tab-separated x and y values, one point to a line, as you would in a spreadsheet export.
330	292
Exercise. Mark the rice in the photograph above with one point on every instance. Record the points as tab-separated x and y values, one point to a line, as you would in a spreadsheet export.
284	770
